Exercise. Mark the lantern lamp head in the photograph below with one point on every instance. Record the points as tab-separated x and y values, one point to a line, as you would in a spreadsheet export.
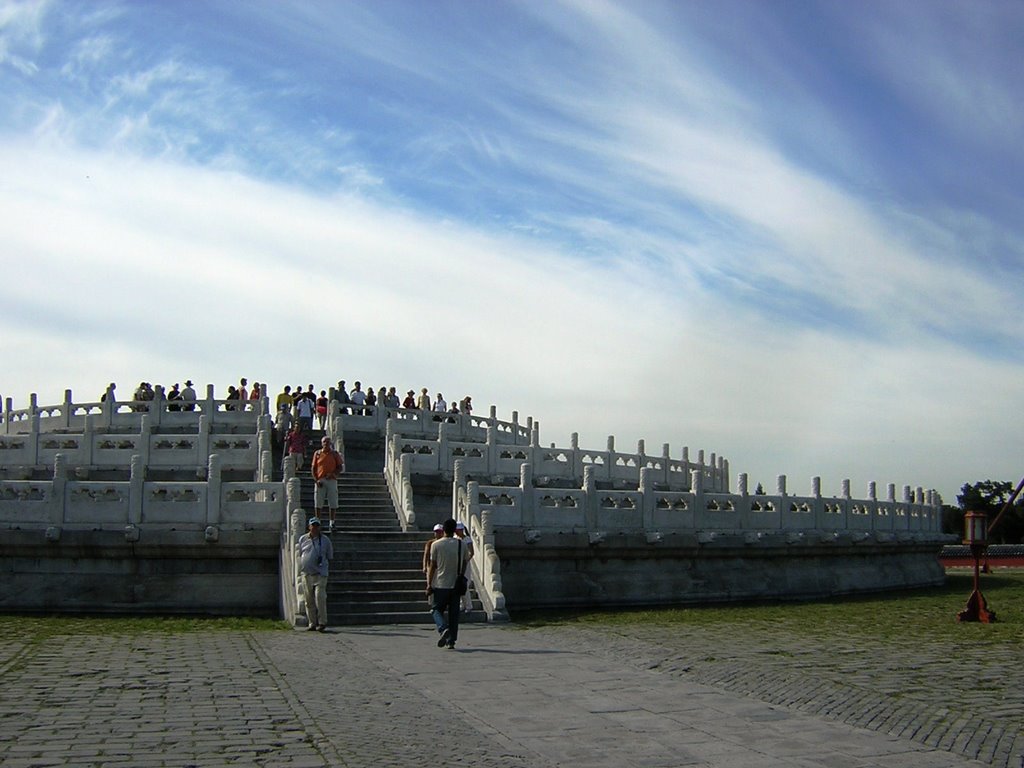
975	528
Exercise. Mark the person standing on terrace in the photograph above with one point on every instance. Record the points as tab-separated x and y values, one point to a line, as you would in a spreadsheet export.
423	401
327	465
188	396
108	396
173	397
357	397
410	400
341	396
243	392
285	399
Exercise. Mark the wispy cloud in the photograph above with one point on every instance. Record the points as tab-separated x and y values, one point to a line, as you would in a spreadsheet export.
652	221
20	34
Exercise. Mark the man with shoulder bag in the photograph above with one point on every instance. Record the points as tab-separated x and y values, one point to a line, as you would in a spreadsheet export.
446	584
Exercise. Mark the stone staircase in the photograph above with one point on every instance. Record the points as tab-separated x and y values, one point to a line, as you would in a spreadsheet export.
376	573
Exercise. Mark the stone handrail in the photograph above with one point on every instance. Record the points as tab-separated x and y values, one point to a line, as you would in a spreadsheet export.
398	474
136	503
413	422
654	512
494	459
71	416
292	601
96	448
485	565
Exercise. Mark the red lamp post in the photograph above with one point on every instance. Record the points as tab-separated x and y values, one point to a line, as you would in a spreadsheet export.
976	537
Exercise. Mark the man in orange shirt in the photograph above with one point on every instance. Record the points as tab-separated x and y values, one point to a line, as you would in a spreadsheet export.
327	465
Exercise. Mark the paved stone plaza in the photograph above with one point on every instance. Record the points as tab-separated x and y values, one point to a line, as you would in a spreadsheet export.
387	696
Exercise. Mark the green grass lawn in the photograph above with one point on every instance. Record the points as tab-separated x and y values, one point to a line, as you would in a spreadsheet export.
35	628
927	615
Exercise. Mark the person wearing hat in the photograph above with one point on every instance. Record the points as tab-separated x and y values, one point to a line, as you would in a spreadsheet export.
438	533
423	401
315	553
410	400
188	396
174	398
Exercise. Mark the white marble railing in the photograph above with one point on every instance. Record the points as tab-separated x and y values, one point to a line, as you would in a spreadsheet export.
137	503
654	511
416	423
485	565
492	458
222	415
292	600
101	449
398	474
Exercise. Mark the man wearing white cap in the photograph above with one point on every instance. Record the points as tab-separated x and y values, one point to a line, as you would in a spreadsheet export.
315	553
438	533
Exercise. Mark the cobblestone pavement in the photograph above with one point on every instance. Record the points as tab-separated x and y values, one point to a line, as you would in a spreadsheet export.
957	697
387	696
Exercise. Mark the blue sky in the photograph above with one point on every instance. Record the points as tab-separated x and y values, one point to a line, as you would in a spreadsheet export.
786	232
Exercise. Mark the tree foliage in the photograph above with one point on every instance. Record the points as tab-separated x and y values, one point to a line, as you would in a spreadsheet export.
988	496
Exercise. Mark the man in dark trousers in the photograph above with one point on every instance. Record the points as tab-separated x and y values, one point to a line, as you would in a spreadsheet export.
442	572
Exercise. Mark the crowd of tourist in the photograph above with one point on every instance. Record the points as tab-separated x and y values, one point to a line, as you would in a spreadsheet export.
178	398
298	406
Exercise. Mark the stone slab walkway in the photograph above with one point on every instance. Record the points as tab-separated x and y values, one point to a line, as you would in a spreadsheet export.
387	696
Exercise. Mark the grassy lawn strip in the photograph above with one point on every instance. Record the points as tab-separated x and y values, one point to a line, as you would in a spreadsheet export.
34	628
927	615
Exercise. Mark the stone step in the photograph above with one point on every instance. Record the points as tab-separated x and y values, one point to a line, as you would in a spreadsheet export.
376	571
419	616
347	565
351	618
380	537
355	581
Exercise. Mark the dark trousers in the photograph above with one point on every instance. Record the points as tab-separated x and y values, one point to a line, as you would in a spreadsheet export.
445	601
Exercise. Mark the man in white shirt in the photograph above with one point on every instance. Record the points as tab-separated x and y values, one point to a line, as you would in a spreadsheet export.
357	397
442	574
304	409
315	553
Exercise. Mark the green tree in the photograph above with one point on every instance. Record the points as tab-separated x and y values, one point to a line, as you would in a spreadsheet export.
989	496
